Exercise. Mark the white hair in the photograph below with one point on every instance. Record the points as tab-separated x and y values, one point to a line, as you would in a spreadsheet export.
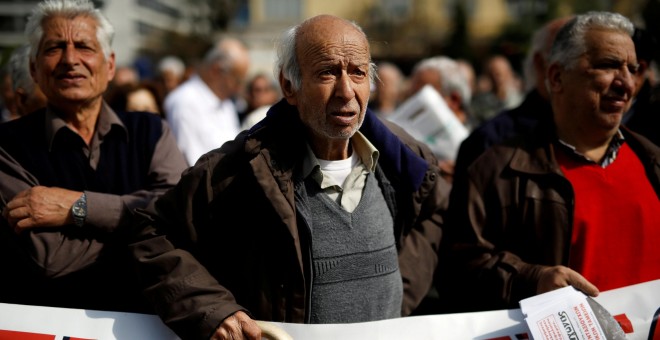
453	79
172	63
69	9
287	61
569	43
226	52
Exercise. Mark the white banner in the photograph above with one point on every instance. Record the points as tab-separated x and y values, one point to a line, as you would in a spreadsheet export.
635	307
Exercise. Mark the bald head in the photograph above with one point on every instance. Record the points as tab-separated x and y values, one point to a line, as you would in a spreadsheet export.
319	28
325	69
314	32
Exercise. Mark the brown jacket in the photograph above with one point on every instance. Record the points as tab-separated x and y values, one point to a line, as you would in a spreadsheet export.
511	214
235	212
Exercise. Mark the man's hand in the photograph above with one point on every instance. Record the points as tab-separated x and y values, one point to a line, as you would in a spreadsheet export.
238	326
559	276
41	207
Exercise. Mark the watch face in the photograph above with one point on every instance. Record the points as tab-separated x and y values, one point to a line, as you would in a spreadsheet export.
78	211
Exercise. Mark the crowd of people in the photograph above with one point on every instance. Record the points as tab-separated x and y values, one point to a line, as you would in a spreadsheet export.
215	197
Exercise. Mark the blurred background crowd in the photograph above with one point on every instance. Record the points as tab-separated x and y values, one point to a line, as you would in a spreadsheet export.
161	43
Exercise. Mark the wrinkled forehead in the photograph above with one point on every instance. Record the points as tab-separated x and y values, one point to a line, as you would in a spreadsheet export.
78	26
330	33
606	41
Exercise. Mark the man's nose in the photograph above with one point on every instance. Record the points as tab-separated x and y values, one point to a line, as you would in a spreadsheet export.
69	55
344	86
626	81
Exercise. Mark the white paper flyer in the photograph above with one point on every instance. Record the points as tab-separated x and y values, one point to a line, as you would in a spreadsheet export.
427	117
568	314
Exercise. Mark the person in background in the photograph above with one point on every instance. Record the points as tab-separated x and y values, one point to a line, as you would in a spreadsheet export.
171	73
79	170
525	117
262	92
643	116
470	76
125	75
201	111
388	89
142	97
8	109
504	92
27	95
444	75
573	202
322	213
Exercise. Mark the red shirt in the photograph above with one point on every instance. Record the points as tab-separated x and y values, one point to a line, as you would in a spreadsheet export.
616	224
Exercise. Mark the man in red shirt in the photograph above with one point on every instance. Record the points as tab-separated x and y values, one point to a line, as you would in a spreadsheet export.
576	201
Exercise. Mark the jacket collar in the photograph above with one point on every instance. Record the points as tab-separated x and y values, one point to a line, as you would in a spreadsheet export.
400	160
534	152
539	160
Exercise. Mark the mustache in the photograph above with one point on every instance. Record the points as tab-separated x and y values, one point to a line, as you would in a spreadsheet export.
351	107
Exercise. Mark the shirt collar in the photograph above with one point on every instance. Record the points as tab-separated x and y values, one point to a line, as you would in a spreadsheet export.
610	154
367	153
106	119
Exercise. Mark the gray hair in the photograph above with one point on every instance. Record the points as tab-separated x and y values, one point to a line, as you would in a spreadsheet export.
172	63
69	9
287	61
570	44
224	53
19	68
453	80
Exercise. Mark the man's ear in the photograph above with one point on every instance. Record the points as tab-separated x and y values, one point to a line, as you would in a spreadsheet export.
111	66
554	78
287	90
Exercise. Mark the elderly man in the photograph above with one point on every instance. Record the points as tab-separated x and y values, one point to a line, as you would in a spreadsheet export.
523	118
202	111
444	75
321	213
574	202
78	169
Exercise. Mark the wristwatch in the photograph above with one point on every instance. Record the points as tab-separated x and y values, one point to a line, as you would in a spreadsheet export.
79	210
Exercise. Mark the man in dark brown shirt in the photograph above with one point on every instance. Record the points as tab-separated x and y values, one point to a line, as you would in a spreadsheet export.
71	173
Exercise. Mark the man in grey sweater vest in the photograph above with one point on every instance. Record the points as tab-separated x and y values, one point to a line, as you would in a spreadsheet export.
320	213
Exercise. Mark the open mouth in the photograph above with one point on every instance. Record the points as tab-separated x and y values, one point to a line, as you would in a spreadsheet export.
344	118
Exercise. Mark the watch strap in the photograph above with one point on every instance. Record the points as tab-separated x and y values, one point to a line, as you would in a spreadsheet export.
79	210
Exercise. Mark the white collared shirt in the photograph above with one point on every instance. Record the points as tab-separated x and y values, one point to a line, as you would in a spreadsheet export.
199	120
346	189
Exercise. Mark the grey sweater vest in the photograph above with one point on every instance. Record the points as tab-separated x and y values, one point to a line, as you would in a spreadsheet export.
356	269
